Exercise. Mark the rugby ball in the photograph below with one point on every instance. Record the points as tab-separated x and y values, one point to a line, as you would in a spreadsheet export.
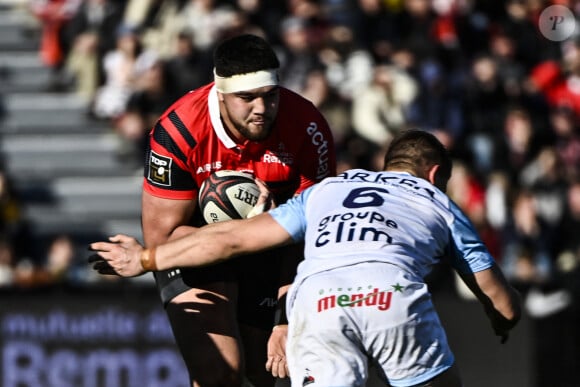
226	195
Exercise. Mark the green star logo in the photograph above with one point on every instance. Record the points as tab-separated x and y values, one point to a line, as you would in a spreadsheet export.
397	287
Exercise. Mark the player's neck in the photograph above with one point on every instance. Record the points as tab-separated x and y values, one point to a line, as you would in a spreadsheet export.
233	133
402	170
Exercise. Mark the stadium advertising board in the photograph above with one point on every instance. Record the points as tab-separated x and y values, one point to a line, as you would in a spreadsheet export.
86	340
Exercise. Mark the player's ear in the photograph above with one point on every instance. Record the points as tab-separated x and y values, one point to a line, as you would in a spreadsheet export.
434	176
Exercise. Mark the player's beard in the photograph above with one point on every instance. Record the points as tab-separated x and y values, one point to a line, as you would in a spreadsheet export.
255	132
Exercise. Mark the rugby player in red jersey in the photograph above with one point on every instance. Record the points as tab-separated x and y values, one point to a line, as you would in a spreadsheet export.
222	316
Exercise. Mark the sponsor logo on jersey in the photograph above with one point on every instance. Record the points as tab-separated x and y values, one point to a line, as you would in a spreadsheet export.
321	144
159	169
284	158
409	183
354	227
209	167
381	299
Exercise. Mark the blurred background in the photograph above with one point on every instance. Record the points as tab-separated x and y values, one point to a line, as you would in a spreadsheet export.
82	81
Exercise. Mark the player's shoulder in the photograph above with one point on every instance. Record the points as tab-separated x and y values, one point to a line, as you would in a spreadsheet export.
300	119
293	104
190	106
186	116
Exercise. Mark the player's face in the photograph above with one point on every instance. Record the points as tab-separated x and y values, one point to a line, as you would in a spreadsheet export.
250	114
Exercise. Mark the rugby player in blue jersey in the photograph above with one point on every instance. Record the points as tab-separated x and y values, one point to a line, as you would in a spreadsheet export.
360	294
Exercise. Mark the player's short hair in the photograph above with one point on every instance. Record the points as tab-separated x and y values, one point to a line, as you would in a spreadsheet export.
415	149
243	54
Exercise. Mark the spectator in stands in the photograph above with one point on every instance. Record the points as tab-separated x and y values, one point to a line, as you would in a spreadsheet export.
377	32
553	304
518	144
162	30
556	80
380	110
92	32
204	22
527	240
151	96
485	103
438	104
544	177
349	67
297	56
519	20
57	267
568	241
266	14
566	129
123	67
187	68
511	72
426	30
138	13
335	109
54	47
207	20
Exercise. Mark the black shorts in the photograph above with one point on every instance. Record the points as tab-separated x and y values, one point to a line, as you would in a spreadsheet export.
258	278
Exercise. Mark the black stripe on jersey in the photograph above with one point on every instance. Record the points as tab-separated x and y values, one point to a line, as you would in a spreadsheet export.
180	180
163	138
182	129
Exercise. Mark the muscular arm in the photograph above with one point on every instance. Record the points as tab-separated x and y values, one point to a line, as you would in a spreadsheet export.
161	217
501	301
220	241
203	246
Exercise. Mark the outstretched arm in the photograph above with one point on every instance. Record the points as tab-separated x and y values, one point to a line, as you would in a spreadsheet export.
501	302
213	243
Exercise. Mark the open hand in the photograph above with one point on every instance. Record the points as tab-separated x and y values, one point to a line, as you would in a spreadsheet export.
276	363
120	256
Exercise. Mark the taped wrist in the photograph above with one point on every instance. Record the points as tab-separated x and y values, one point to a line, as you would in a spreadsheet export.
148	259
280	317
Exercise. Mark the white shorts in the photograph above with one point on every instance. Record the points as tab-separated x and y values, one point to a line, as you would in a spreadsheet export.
343	318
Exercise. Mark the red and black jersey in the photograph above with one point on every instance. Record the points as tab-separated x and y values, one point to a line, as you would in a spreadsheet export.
189	142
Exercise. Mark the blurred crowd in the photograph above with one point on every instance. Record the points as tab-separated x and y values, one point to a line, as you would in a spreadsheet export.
502	97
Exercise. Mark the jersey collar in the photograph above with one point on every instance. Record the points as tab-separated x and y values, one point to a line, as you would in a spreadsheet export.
216	122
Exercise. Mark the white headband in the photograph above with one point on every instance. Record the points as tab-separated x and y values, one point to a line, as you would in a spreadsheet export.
248	81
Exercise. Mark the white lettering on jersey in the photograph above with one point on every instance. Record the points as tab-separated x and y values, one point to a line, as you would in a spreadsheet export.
321	143
284	159
213	166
